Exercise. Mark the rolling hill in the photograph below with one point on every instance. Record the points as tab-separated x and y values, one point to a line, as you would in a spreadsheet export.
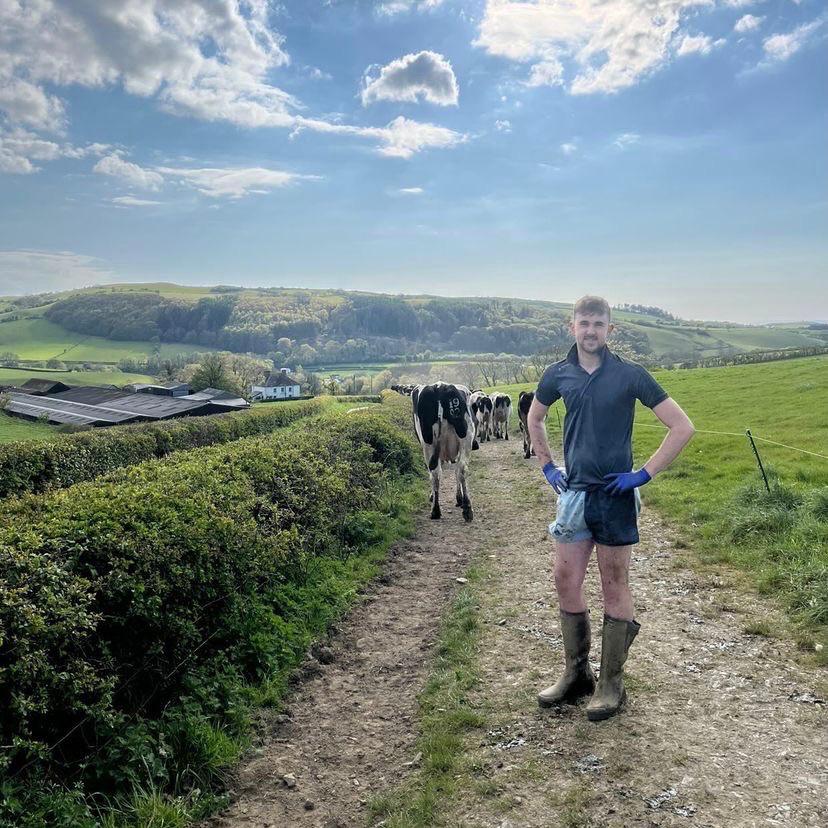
327	327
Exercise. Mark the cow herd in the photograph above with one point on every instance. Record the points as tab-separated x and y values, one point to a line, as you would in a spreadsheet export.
450	422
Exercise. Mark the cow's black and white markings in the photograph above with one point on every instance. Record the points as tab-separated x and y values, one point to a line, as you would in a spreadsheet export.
445	428
501	412
524	404
481	406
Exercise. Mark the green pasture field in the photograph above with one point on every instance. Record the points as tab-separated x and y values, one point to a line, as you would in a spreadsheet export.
15	376
37	338
766	338
15	428
713	492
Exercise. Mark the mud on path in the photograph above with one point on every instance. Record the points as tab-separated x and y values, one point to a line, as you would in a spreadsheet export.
722	728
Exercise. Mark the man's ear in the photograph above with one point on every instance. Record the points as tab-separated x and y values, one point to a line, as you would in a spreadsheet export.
572	326
610	328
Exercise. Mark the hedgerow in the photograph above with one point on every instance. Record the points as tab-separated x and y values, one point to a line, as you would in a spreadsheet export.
37	466
137	612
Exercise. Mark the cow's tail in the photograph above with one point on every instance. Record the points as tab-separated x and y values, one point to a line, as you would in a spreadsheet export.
434	460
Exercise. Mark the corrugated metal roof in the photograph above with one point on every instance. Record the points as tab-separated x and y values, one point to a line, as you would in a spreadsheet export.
65	411
89	394
122	409
212	394
37	385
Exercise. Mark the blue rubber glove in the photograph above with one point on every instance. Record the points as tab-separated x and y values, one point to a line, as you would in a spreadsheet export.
556	477
623	482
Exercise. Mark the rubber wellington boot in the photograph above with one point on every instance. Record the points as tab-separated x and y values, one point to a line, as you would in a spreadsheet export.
578	679
610	694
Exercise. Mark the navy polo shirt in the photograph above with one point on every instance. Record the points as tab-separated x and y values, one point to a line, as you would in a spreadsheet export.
600	408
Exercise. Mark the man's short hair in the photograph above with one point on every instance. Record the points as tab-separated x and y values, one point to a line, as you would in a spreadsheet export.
592	305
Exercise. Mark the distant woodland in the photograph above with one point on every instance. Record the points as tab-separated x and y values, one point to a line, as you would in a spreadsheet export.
317	327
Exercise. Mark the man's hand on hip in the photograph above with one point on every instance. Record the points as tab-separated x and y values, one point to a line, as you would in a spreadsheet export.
556	477
623	482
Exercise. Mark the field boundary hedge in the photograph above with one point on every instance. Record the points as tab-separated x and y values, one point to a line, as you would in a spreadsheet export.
138	614
38	466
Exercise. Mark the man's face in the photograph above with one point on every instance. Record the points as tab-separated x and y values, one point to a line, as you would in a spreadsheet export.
591	331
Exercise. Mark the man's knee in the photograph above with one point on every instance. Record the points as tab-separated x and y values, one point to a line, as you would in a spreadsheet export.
568	578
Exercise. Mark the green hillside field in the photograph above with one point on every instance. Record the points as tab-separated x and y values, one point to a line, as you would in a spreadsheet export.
35	338
15	428
713	492
410	325
15	376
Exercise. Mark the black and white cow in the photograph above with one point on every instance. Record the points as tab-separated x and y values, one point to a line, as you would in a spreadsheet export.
445	428
481	406
501	411
524	404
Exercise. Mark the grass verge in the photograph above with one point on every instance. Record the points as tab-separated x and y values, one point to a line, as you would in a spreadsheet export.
447	715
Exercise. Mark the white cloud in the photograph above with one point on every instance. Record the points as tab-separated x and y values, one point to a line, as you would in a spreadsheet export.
19	148
740	4
626	139
402	138
747	23
425	75
503	126
546	73
195	58
131	201
698	45
411	190
388	8
134	175
233	182
32	271
569	148
780	47
610	44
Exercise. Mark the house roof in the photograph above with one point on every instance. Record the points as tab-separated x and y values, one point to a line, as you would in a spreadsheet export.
280	378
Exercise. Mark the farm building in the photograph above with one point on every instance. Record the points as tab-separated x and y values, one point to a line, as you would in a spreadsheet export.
167	389
109	406
39	386
278	386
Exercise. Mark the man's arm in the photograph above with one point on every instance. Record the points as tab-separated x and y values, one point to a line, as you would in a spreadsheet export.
680	431
535	420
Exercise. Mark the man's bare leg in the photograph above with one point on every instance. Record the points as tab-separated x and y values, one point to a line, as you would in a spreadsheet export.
571	560
577	679
614	565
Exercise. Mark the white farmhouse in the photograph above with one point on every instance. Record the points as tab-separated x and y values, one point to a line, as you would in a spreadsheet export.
278	386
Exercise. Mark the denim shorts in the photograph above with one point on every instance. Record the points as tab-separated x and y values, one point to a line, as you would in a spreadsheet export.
611	520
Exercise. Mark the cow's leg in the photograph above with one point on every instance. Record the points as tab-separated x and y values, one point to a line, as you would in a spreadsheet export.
527	442
462	466
435	494
458	492
506	426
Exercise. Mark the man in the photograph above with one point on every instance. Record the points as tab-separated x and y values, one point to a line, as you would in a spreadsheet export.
598	498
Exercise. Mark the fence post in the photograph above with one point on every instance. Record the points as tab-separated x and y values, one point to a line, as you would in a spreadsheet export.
758	458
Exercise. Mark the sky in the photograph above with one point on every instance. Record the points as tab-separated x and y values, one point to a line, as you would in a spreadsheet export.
661	152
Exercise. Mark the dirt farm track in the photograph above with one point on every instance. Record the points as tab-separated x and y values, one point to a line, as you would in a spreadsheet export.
722	728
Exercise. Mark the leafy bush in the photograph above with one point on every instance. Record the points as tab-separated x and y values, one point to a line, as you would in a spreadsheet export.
31	466
137	611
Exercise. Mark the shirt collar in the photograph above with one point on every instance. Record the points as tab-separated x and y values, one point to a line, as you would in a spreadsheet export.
572	356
